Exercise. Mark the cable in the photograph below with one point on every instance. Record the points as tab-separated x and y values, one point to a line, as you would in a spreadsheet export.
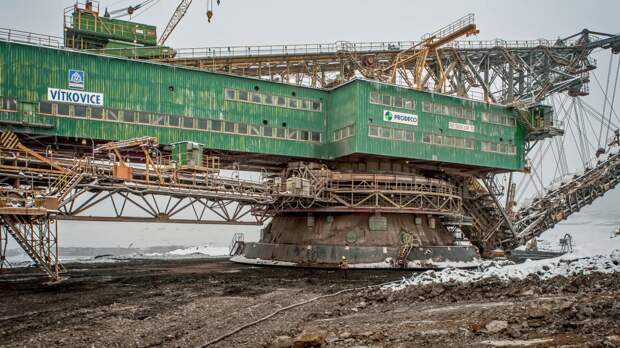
287	308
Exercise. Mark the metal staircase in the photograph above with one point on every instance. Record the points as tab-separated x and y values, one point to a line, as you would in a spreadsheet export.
37	236
237	244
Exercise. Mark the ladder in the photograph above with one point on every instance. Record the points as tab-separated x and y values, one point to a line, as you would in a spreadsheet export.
237	244
35	235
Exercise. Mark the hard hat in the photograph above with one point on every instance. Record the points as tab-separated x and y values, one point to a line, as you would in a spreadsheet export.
344	257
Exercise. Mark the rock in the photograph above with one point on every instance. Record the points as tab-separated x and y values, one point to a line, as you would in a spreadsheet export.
366	334
513	332
309	339
535	313
345	335
282	342
475	328
496	326
378	336
528	292
331	338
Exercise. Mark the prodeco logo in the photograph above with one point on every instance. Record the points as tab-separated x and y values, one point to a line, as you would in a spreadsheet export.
400	117
388	116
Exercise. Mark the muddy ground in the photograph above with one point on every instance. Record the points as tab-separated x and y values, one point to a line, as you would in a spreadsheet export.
187	303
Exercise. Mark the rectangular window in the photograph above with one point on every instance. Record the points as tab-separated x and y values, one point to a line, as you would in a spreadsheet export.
316	106
409	104
202	123
254	130
398	102
267	131
385	133
305	135
79	111
229	127
426	138
45	108
386	100
437	109
230	94
292	103
9	104
63	109
143	117
374	97
174	121
268	100
281	101
112	114
97	113
399	134
292	134
242	128
281	133
445	110
188	122
243	95
216	125
373	131
128	116
316	137
427	106
307	105
159	120
256	98
409	136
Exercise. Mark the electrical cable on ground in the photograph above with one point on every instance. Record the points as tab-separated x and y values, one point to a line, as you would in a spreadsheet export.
243	327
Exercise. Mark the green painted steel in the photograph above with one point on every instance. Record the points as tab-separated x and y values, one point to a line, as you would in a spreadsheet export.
238	114
88	25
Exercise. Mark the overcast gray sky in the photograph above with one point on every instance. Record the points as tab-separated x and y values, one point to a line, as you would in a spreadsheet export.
252	22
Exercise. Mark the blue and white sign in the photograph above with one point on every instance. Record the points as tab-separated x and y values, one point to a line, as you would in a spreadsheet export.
400	117
77	97
76	79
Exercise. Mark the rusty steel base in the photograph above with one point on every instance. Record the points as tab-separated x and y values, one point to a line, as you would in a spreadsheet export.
367	240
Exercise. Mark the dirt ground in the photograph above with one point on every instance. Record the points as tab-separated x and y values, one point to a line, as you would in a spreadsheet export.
187	303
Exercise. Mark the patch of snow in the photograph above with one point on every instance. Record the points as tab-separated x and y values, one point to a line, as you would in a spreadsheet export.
258	261
195	251
566	265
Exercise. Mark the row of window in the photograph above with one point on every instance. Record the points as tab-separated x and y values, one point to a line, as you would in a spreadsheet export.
391	133
447	110
502	148
343	133
8	104
272	100
161	120
499	119
449	141
392	101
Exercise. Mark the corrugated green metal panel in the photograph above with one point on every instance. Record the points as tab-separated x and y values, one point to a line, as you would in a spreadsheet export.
437	124
140	86
27	71
343	111
86	23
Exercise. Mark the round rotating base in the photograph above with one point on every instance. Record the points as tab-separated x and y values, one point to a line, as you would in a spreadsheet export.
328	256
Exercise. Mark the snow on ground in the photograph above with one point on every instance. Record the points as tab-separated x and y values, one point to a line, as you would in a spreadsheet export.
566	265
195	251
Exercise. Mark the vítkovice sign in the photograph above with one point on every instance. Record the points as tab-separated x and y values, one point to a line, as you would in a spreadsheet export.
77	97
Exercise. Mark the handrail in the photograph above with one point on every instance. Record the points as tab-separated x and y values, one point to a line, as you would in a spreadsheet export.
13	35
279	50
